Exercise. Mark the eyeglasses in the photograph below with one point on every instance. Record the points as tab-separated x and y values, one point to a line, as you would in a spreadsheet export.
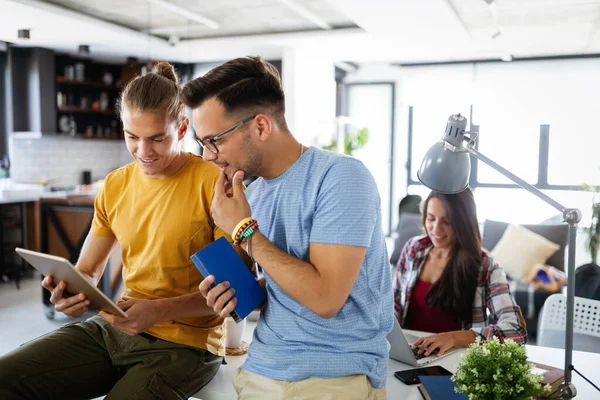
211	143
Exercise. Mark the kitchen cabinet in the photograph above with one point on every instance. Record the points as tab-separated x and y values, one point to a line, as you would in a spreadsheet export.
15	231
63	224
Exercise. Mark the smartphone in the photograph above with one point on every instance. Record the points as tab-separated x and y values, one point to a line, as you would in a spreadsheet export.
411	376
542	275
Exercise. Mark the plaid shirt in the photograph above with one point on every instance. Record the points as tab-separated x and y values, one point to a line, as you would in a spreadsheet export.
494	310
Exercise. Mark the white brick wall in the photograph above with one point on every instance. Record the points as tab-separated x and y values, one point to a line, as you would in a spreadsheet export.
61	160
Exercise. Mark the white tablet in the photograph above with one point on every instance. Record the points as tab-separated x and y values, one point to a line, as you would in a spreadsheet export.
62	270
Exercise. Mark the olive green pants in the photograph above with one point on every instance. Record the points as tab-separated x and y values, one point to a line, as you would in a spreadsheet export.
91	359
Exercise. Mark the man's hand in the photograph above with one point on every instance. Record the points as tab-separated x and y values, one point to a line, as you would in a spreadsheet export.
443	342
71	305
228	210
220	298
142	314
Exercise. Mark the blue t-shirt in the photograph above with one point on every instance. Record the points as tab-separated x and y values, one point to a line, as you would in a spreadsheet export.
324	198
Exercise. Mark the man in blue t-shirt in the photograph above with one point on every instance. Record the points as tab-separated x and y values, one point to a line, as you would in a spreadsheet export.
319	242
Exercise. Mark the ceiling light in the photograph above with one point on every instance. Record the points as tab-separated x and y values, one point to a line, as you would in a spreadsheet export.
84	50
174	40
23	33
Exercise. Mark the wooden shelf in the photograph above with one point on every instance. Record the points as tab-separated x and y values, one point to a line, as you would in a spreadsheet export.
75	109
11	225
62	79
84	136
9	247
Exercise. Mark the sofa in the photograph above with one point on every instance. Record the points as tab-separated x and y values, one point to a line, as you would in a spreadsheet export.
526	296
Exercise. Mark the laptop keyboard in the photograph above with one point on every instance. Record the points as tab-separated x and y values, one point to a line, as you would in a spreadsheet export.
419	356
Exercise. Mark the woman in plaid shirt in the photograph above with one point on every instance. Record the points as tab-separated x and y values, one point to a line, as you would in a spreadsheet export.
446	283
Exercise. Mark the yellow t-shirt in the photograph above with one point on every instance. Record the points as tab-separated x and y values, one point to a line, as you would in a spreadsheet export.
159	224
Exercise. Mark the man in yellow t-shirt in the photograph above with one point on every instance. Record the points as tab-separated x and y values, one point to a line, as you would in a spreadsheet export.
157	237
158	209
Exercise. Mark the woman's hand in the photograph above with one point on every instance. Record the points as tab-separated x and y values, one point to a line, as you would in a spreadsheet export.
443	342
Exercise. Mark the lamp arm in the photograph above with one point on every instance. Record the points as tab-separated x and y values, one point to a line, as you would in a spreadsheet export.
571	216
530	188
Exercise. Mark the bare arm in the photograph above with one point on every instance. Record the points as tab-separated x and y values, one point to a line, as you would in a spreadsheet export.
324	283
142	314
94	256
321	285
190	305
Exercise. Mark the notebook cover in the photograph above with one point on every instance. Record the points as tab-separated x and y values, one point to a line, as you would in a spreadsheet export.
423	392
550	376
439	388
221	260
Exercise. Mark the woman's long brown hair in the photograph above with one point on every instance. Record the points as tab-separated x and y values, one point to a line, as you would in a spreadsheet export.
454	291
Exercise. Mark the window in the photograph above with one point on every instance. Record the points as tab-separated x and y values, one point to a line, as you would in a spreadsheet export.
435	93
510	102
574	149
371	105
515	146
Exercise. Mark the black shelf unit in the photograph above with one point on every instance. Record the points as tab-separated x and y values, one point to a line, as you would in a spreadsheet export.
12	235
85	99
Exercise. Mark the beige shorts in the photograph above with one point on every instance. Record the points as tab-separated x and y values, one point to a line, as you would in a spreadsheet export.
251	386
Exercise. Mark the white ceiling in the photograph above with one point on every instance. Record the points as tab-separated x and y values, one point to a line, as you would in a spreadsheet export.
235	17
353	30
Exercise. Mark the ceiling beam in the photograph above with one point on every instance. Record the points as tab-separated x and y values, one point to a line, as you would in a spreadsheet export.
86	18
346	66
303	12
175	29
459	18
184	12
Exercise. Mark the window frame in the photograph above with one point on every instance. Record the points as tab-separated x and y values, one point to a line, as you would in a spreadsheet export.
344	107
3	97
474	183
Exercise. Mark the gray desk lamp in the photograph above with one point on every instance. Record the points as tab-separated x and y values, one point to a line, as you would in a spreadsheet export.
446	168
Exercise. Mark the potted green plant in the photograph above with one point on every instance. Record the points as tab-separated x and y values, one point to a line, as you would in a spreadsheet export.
494	370
352	141
593	231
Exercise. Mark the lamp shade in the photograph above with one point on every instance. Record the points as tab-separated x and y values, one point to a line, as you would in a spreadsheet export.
444	170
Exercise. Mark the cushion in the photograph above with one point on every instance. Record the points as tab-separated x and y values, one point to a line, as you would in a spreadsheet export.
409	226
520	249
556	233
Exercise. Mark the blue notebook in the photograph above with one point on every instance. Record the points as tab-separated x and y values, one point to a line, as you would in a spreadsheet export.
438	388
221	260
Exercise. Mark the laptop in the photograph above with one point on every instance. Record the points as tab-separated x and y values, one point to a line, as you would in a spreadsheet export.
400	349
62	270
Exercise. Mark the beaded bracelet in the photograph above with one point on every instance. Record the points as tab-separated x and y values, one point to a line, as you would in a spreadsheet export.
249	230
239	225
239	235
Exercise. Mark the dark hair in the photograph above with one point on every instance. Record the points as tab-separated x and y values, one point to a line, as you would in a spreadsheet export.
454	291
155	91
246	85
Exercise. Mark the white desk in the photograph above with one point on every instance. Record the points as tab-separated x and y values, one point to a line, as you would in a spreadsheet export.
221	387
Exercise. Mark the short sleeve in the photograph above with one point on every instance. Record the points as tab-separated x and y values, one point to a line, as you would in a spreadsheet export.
100	223
348	206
